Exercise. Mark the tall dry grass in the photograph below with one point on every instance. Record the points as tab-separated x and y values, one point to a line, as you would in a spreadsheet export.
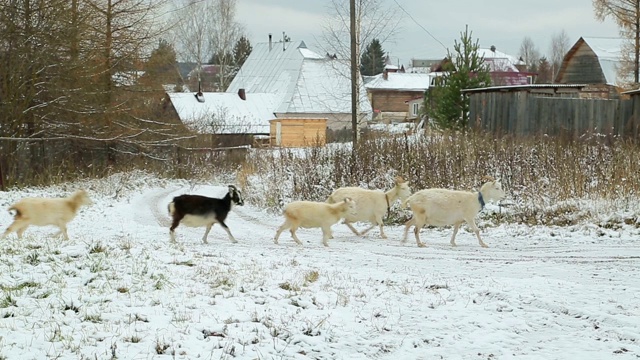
549	180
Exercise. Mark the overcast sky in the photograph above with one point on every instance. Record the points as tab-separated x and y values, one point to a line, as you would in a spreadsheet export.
503	23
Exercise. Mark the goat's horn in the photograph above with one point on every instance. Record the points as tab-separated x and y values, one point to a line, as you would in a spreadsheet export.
489	178
399	179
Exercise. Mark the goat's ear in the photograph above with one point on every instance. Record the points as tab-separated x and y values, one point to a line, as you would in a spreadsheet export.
232	188
488	178
399	180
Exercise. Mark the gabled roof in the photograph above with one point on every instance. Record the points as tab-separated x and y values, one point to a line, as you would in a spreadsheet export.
301	80
225	113
609	53
399	82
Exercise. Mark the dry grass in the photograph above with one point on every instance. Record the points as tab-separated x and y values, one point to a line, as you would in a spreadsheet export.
547	178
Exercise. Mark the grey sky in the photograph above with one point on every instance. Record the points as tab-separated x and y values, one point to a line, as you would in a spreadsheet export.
503	23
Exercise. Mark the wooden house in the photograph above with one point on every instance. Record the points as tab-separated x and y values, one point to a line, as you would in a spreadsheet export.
390	92
594	61
306	85
293	132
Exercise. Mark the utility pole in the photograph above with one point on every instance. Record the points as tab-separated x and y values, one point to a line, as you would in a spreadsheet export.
354	75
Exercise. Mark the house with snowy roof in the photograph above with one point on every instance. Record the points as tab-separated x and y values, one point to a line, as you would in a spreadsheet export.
596	61
306	85
397	96
505	69
284	91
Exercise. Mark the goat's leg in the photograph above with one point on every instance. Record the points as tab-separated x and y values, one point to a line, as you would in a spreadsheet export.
9	230
206	233
325	235
18	226
174	225
63	231
416	232
407	226
474	227
294	236
456	227
352	228
279	231
233	240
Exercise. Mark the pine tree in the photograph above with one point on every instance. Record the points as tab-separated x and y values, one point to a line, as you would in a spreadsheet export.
372	60
544	71
241	51
160	68
445	104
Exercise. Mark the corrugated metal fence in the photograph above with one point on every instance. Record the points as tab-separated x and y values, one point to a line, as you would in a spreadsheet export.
521	113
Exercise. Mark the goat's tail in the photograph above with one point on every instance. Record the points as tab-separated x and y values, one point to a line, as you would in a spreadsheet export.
14	211
171	208
331	200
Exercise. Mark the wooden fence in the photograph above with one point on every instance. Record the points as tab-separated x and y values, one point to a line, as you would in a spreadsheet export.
521	113
27	162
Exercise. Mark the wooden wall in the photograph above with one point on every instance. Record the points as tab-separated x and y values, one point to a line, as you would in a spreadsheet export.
392	101
521	113
298	132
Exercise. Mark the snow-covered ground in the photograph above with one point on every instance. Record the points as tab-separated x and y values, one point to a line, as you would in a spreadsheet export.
120	290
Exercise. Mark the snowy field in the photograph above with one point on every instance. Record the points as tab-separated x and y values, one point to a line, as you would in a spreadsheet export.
118	289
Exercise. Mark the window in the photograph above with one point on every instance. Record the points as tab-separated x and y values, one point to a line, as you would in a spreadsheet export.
415	107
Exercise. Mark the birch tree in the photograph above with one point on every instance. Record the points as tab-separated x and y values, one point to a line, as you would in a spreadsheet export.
559	47
205	30
373	21
626	13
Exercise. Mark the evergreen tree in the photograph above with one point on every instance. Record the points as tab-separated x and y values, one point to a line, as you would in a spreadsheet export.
544	72
445	104
161	68
241	51
372	60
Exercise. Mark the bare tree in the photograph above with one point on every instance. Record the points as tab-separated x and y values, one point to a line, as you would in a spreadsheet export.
372	20
206	31
559	47
529	54
626	14
226	32
192	32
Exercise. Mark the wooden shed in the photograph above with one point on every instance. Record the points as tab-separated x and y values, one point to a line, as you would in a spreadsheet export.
298	132
596	62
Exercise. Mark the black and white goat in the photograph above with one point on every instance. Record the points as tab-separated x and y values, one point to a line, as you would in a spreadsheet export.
198	211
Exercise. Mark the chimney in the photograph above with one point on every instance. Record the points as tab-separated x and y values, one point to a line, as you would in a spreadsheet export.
270	44
493	48
385	74
242	94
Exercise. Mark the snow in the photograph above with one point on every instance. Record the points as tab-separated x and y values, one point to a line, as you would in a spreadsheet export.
119	289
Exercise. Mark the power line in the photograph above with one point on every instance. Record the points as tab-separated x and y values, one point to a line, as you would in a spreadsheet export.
422	27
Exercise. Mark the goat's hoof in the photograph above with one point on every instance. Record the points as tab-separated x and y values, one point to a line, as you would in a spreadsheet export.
484	245
421	245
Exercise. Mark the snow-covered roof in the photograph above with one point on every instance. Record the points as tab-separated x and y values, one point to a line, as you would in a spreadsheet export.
499	61
609	54
323	86
302	80
400	81
225	113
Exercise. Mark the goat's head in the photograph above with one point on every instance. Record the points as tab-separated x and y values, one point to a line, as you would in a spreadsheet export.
492	190
81	197
402	188
236	195
351	205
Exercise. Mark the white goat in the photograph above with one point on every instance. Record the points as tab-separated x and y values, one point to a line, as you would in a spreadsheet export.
311	214
441	207
371	205
45	211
